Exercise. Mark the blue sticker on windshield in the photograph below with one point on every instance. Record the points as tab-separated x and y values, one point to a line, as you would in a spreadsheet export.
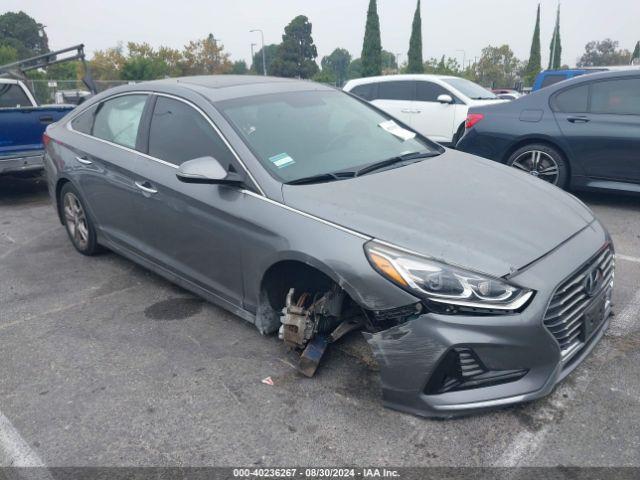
282	160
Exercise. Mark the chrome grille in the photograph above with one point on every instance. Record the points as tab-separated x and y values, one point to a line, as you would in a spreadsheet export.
564	317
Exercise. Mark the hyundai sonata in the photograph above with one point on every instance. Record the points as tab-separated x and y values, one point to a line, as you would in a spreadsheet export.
311	213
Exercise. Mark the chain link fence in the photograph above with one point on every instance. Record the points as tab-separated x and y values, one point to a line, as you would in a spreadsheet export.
67	91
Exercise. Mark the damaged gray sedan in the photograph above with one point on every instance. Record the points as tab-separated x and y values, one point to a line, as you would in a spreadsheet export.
312	214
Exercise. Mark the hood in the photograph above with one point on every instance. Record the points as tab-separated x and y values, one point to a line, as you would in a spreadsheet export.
455	207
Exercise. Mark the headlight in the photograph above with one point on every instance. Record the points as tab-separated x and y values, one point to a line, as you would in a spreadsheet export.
442	283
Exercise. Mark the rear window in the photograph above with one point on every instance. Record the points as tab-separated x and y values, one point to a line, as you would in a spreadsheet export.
404	90
366	91
12	96
573	100
117	120
621	97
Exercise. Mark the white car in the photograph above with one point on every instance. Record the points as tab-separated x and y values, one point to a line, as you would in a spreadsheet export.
434	105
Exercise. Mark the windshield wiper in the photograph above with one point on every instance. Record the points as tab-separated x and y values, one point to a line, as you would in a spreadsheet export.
393	160
323	177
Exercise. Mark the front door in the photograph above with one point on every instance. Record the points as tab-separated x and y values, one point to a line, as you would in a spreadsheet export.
435	120
189	229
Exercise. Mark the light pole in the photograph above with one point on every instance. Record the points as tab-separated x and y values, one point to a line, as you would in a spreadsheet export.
398	61
252	54
264	61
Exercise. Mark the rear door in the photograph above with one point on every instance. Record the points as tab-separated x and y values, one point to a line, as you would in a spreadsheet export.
397	98
105	158
435	120
189	229
601	122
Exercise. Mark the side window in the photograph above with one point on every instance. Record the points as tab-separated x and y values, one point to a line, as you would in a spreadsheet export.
398	90
429	92
12	96
573	100
620	97
117	120
552	79
179	133
366	91
83	123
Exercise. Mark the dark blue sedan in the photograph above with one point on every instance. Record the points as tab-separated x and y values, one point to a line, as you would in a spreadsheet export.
582	133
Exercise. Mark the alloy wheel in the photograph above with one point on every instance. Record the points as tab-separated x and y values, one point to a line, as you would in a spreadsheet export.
76	221
539	164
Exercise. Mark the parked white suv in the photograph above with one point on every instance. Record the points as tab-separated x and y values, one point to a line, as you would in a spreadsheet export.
434	105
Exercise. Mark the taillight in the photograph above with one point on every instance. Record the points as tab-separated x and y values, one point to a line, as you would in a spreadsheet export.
472	119
45	139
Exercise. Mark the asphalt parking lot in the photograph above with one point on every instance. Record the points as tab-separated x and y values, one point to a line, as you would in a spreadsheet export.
103	363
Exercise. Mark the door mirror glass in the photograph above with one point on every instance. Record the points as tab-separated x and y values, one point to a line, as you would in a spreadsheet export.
445	98
206	170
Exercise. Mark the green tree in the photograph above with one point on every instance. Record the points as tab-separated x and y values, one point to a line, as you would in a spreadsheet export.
535	62
355	68
64	71
414	64
205	57
372	46
604	53
297	52
555	49
635	57
239	67
337	65
107	64
8	54
389	62
23	33
444	66
497	67
325	76
270	52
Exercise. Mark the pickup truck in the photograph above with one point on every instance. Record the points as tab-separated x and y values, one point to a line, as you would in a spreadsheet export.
22	123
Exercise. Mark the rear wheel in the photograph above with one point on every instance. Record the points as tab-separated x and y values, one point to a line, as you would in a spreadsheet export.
79	226
541	161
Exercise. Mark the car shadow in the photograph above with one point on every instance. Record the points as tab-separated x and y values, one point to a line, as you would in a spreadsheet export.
609	199
17	190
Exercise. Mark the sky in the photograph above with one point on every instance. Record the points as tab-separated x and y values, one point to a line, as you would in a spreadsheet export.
459	28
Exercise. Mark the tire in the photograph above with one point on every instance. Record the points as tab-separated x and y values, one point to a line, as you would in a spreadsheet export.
77	222
542	161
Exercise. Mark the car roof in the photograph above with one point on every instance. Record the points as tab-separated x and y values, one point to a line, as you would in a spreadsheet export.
225	87
391	78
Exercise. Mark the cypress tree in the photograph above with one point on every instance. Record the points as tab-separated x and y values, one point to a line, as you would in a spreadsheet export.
535	63
372	46
555	49
636	53
415	64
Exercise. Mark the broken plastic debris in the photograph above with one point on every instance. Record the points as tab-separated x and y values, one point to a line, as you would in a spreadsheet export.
267	381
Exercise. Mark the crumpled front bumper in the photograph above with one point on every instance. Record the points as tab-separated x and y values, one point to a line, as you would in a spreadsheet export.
411	353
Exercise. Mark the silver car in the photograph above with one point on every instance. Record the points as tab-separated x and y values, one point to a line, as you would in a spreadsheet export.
311	213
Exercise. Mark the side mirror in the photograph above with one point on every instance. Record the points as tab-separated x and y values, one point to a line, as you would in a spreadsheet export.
444	98
207	170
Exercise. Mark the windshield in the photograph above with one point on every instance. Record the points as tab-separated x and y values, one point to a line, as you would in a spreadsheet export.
470	89
296	135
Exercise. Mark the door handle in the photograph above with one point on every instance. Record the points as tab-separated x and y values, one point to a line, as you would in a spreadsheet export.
84	160
578	119
406	110
46	119
146	187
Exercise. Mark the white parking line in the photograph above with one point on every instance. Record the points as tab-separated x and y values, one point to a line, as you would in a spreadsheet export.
627	258
14	451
